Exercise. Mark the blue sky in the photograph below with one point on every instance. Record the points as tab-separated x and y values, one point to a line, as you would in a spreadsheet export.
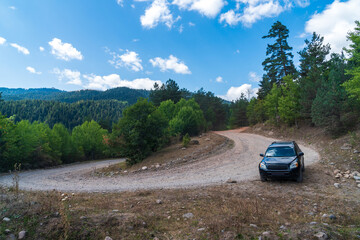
214	44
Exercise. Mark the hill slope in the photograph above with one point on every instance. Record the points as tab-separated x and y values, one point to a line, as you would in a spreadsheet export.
123	94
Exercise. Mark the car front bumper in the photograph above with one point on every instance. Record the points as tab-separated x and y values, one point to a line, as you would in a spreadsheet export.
289	174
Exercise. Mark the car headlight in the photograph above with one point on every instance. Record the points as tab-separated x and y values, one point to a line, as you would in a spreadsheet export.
263	166
294	164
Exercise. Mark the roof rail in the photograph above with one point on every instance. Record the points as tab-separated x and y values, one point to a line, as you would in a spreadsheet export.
273	142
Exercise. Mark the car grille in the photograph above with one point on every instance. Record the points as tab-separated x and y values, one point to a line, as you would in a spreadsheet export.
277	166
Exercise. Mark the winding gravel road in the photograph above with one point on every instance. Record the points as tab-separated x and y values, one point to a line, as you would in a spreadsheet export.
239	163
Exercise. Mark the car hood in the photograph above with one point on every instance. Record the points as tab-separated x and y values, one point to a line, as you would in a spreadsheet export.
279	160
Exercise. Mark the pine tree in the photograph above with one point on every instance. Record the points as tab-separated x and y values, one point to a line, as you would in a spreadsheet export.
313	65
353	85
279	61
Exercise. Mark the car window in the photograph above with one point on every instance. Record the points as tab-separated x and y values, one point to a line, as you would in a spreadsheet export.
280	152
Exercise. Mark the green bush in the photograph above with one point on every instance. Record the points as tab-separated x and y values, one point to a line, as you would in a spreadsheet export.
186	140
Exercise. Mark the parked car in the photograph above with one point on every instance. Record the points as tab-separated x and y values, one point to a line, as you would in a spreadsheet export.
282	160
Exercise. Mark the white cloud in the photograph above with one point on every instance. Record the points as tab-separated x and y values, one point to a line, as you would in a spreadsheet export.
32	70
120	2
219	79
335	22
254	77
172	63
72	77
181	28
254	11
130	59
20	48
209	8
12	7
114	80
230	17
64	51
191	24
41	49
234	93
2	40
302	3
158	12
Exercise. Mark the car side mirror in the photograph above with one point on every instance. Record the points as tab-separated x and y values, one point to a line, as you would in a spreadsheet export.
261	155
301	154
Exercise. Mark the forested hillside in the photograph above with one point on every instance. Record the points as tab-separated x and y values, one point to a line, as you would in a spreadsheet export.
123	94
105	112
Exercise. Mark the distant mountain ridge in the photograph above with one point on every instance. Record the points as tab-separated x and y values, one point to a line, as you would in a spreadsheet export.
123	94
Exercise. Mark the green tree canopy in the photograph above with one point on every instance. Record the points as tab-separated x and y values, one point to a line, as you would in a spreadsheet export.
352	86
279	61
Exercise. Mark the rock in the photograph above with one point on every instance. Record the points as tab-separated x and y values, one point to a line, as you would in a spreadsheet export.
194	142
266	234
332	217
115	210
144	168
338	175
346	146
11	237
158	201
82	217
188	215
271	133
313	223
157	165
201	229
358	185
231	181
355	173
324	215
184	148
7	231
22	234
336	171
346	176
282	227
357	177
207	139
253	225
321	236
356	151
155	238
347	172
108	238
5	219
337	185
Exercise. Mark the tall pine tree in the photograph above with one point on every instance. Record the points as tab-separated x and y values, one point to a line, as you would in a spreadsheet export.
313	65
279	61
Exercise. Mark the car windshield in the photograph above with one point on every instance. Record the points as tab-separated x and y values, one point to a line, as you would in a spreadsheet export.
280	152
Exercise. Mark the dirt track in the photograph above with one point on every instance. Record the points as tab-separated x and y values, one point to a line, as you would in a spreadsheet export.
239	163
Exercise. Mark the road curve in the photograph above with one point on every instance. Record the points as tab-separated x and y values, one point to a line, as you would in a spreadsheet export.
239	163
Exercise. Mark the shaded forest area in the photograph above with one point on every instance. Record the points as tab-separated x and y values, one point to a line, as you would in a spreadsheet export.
323	92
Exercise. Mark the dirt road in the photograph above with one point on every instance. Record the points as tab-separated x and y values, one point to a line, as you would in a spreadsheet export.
239	163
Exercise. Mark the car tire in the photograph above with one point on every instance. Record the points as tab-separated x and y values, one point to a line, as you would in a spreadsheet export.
303	167
299	179
263	178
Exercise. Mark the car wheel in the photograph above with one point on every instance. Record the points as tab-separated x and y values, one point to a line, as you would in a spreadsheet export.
299	179
263	178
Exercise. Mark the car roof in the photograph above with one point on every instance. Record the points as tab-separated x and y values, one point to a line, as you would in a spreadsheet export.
282	144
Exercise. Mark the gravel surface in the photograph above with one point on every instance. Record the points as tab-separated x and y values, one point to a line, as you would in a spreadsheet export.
239	163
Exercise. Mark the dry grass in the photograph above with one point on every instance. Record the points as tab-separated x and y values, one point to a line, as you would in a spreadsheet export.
223	212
